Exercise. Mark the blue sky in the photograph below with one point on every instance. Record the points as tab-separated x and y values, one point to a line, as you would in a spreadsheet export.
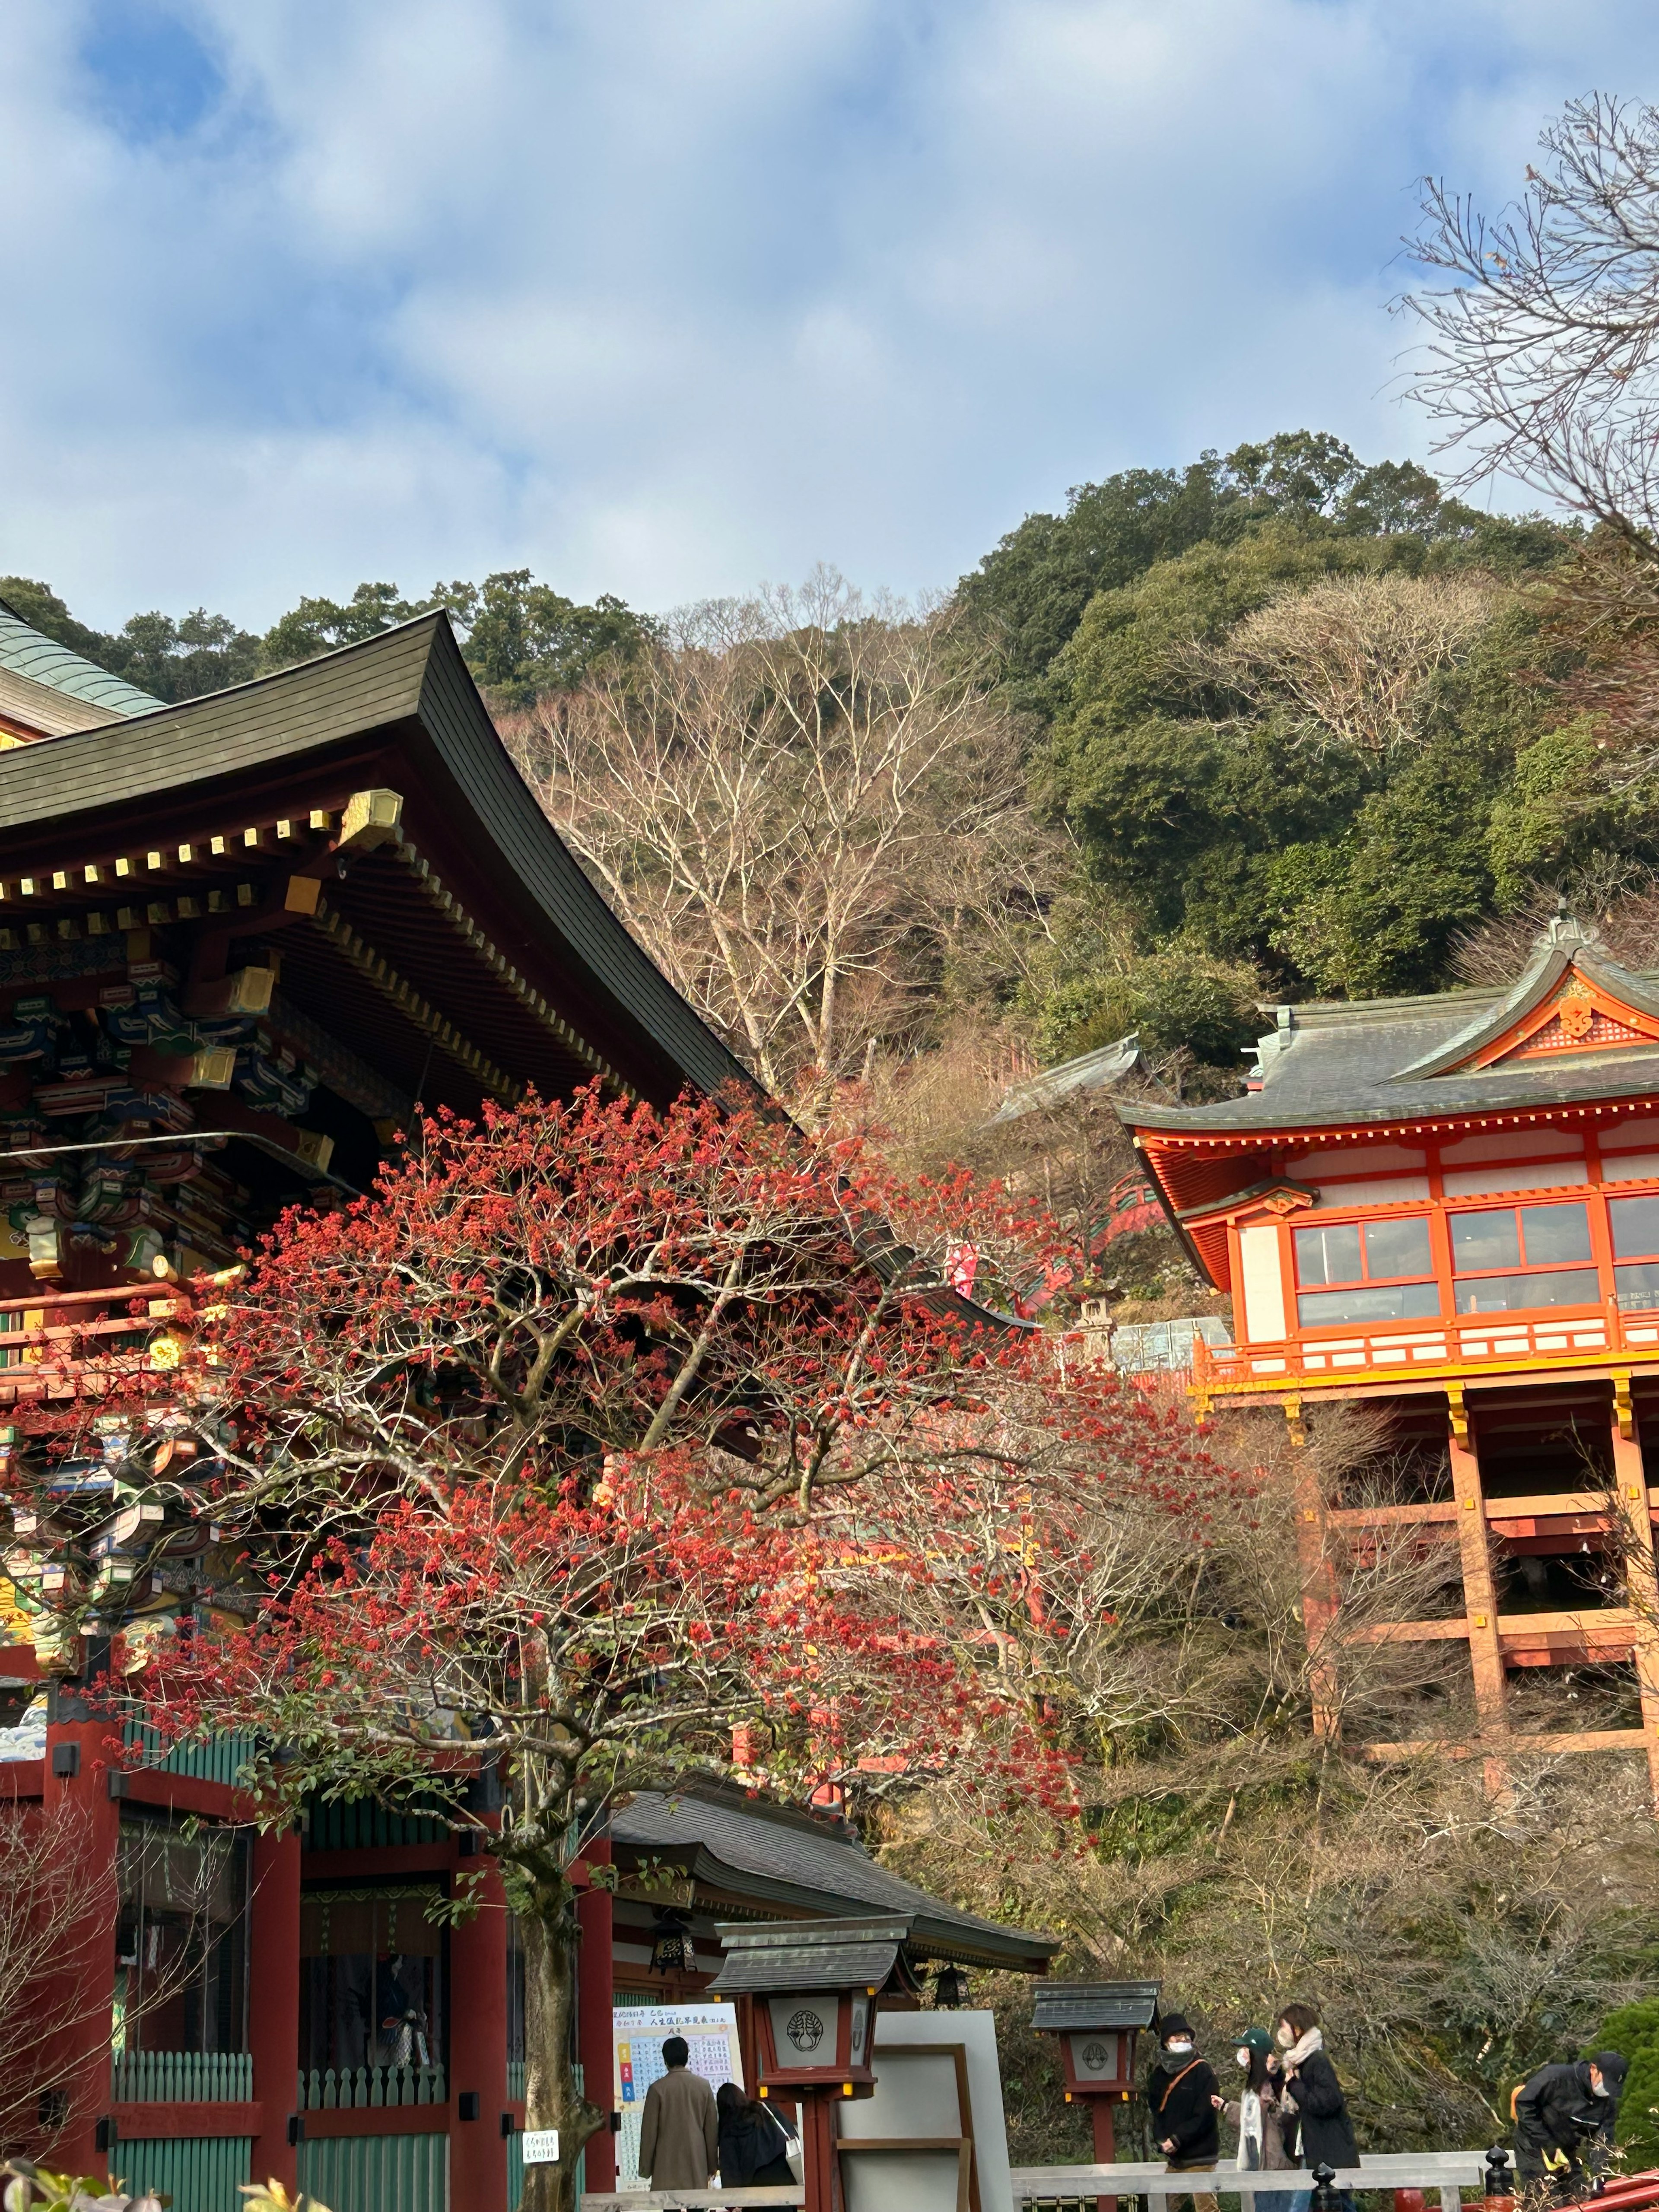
669	297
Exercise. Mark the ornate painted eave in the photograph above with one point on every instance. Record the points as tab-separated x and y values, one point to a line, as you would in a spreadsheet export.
473	911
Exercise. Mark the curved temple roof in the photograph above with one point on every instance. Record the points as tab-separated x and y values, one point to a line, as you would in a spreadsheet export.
399	712
51	688
1384	1060
760	1853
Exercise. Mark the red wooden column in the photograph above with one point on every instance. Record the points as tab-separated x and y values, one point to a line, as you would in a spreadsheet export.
1319	1592
1636	1518
77	1770
274	2002
595	1985
478	2047
1480	1594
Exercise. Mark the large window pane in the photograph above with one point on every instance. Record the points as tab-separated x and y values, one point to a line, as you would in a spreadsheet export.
370	1977
1635	1226
1328	1256
1553	1234
1575	1286
1398	1248
1484	1240
180	1939
1369	1302
1638	1286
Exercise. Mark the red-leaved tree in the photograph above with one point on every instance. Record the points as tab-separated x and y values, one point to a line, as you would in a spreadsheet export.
569	1450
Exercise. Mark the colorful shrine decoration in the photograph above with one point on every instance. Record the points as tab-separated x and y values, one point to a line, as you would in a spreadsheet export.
1448	1208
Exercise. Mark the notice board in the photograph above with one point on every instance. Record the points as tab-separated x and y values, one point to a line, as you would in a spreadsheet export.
637	2035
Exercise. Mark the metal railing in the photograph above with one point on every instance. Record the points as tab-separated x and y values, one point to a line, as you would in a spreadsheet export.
364	2088
515	2073
182	2077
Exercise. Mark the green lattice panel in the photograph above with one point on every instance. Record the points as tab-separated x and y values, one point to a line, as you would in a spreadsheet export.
201	2174
377	2173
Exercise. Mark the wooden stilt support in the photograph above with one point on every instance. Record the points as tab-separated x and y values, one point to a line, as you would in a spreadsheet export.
1319	1597
1636	1520
1480	1589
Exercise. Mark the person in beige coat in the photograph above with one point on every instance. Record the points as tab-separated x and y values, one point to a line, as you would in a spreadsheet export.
679	2128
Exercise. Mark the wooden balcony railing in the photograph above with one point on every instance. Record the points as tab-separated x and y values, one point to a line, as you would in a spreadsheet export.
182	2077
71	1344
1420	1351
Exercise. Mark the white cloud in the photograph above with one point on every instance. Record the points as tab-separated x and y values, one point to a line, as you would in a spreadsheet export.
668	295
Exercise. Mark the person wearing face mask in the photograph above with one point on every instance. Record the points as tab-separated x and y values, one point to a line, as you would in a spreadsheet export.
1182	2093
1318	2123
1257	2113
1565	2118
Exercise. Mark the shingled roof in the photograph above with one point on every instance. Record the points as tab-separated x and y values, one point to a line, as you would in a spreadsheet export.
46	687
1387	1060
743	1851
401	711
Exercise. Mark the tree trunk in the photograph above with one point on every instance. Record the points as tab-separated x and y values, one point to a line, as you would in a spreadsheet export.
551	2097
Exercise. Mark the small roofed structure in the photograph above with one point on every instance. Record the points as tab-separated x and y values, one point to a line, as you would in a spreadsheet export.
46	691
1062	2006
820	1954
1106	1068
727	1853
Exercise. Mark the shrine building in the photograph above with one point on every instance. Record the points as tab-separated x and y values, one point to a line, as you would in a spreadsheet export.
1447	1208
239	939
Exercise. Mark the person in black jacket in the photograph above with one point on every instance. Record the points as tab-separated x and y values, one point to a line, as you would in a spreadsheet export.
1180	2093
1565	2117
1324	2133
754	2149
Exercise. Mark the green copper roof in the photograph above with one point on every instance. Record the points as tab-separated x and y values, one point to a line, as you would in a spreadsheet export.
25	653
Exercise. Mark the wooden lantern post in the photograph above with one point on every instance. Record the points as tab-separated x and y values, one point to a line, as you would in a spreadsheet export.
814	1985
1098	2023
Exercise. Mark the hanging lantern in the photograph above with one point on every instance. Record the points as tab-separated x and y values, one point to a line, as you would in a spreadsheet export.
949	1988
670	1946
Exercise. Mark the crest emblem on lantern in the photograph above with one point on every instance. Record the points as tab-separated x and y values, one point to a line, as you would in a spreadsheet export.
1095	2056
805	2030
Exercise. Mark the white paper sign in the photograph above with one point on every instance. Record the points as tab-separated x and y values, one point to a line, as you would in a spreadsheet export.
541	2146
639	2032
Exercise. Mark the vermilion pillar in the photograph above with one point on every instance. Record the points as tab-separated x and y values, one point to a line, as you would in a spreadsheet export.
594	1988
1319	1594
77	1770
1480	1594
1636	1518
274	2002
478	2047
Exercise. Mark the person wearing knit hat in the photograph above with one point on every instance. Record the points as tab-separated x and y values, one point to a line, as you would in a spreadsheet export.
1180	2097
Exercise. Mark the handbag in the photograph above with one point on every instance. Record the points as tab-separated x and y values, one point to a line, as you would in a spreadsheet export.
792	2150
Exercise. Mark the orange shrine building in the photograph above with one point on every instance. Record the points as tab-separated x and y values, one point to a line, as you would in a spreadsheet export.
1447	1209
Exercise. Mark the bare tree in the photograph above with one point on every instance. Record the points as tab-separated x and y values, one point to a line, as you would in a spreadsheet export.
1346	662
58	1899
795	802
1540	353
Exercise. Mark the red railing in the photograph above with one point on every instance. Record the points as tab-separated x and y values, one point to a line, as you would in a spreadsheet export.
1573	1337
70	1343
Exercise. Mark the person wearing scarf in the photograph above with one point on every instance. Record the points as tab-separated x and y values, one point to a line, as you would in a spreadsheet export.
1257	2113
1318	2111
